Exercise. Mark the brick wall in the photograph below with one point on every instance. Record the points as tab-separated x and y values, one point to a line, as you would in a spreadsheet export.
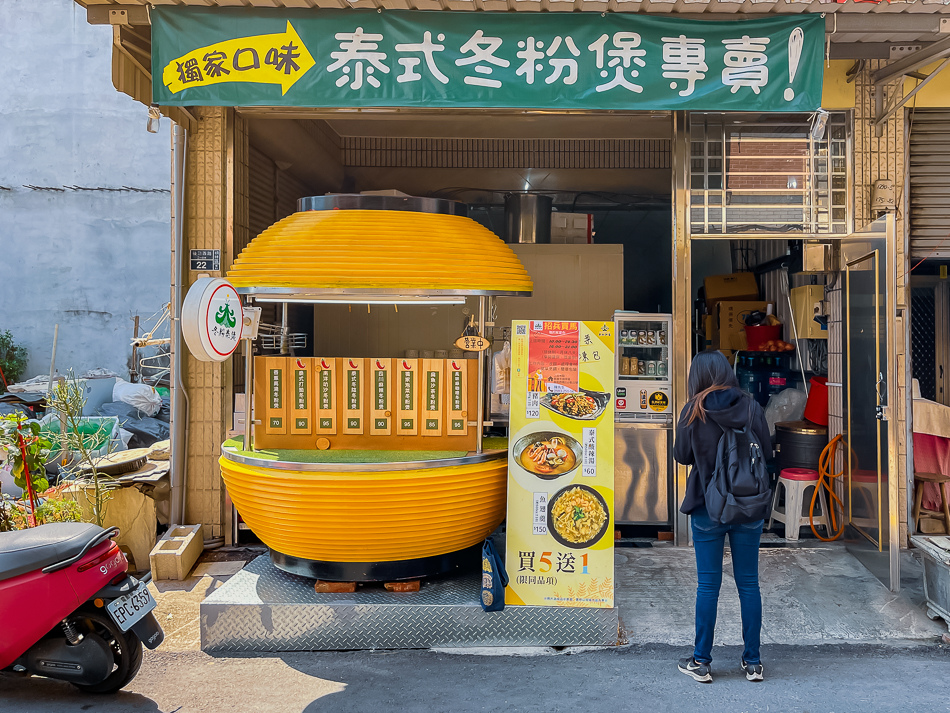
206	225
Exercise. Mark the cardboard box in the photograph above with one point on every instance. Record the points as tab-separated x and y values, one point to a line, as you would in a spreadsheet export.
711	331
735	287
732	322
806	303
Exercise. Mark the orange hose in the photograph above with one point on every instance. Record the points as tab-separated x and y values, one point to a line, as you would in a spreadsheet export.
826	480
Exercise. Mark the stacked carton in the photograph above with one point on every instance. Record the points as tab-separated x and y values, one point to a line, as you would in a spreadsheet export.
729	298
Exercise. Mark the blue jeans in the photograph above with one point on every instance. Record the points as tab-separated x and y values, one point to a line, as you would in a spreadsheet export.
709	539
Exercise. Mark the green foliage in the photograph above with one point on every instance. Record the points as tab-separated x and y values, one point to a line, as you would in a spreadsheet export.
56	506
12	358
74	436
37	446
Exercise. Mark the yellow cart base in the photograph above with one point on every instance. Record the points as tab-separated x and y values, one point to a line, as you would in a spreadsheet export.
365	522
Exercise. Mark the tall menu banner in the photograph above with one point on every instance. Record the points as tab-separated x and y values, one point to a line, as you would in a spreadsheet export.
561	465
531	60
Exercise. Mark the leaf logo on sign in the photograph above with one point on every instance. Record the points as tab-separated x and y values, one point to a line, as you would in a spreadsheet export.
280	58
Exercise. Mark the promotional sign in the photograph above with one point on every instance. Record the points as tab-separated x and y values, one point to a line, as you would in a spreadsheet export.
536	60
212	319
561	465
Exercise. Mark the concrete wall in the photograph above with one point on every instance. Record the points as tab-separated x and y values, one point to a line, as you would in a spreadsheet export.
86	259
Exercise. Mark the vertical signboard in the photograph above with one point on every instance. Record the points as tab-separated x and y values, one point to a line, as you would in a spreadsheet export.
561	465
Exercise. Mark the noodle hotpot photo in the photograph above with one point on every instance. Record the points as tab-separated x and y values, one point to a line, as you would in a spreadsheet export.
577	516
583	405
548	454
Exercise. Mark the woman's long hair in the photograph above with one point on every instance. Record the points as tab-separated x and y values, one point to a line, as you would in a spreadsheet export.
709	371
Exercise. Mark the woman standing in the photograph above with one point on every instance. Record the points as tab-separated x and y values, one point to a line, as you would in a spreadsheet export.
716	402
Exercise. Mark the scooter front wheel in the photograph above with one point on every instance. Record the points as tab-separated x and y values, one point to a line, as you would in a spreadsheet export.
126	648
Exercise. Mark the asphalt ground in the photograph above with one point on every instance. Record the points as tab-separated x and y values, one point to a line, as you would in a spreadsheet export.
812	679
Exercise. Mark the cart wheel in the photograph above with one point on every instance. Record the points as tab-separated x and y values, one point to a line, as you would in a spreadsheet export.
126	649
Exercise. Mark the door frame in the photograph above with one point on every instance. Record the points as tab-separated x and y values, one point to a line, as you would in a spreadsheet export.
884	560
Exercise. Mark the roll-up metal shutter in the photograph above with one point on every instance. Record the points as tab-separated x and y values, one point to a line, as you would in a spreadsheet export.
262	193
930	184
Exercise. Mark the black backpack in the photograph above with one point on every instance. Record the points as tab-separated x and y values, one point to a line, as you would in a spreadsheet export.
739	490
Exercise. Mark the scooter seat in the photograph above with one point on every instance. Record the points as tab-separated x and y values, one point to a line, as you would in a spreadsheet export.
28	550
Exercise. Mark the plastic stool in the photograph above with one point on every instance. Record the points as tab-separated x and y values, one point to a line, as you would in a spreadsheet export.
796	482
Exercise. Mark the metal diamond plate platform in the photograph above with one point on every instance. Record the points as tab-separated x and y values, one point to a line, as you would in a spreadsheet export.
264	609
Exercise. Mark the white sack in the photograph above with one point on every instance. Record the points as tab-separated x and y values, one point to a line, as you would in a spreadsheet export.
141	396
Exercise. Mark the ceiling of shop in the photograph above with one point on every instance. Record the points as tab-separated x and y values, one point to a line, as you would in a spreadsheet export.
424	155
483	125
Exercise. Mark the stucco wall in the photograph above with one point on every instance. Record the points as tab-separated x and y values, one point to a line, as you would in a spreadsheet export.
86	259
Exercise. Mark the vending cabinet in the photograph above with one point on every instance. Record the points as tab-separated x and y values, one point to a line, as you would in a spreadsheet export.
642	381
643	430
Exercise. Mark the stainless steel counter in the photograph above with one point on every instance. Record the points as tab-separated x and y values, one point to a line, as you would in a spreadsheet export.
642	468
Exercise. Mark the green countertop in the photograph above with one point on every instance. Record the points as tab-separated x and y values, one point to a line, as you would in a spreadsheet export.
354	456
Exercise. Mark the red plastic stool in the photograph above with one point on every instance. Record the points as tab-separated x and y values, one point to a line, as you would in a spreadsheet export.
796	482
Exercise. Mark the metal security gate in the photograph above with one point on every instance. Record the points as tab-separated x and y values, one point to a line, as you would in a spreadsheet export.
929	184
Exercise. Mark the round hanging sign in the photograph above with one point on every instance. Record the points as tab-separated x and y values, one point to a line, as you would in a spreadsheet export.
212	319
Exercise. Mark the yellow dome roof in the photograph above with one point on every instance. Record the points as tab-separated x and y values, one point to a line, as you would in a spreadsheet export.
383	252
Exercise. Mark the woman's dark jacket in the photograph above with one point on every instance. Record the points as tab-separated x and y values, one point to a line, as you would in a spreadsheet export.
697	443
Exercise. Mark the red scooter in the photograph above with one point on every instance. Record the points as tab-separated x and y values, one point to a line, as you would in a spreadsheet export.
69	610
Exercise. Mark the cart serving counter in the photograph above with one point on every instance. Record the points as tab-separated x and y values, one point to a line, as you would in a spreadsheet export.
370	467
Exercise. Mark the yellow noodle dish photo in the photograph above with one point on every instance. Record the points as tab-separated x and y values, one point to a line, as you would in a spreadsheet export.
577	516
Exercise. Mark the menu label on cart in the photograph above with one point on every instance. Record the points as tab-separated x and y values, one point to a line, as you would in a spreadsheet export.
302	409
432	405
458	387
402	58
276	412
326	400
381	423
407	415
560	465
353	400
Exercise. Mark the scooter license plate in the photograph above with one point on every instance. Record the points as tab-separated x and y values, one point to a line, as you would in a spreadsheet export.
126	611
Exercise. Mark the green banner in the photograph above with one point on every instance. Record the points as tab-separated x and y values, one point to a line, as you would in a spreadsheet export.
525	60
